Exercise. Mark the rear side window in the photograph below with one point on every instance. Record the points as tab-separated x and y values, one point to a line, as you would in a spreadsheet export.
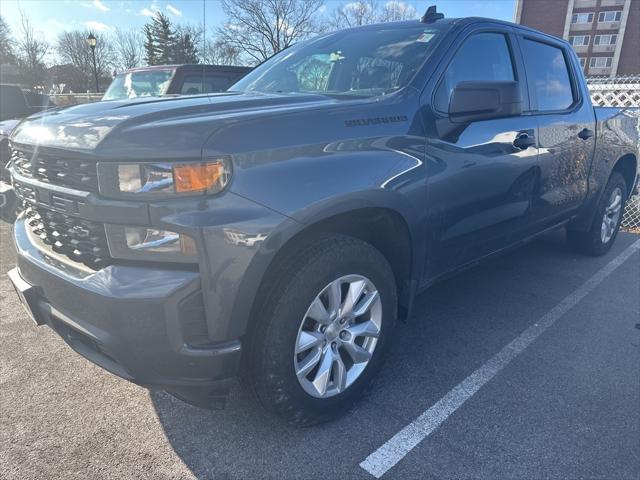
11	99
483	57
548	76
195	84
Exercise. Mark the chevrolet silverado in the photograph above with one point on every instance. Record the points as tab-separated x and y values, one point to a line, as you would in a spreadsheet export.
277	231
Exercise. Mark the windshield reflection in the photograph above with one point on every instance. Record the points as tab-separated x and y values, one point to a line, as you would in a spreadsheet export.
362	62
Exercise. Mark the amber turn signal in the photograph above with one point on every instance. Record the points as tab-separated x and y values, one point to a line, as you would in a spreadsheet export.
198	177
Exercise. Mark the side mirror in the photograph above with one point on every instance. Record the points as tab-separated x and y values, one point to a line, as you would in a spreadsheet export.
473	101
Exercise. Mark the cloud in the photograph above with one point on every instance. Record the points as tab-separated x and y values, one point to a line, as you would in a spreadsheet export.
98	26
100	6
146	12
55	23
174	11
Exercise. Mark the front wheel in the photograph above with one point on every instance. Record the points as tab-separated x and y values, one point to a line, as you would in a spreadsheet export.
604	229
323	329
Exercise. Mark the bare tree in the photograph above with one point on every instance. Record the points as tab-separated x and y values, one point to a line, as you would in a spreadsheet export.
7	44
128	49
260	28
31	53
365	12
72	48
219	52
354	14
395	11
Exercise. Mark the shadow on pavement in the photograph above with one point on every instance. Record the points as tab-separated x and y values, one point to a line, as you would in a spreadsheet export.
456	326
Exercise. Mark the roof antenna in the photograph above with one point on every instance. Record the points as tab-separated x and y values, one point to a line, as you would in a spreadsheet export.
431	15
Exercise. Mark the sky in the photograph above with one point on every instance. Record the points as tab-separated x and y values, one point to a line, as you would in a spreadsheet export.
50	17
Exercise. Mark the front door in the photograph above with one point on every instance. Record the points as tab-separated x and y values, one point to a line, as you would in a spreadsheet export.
481	177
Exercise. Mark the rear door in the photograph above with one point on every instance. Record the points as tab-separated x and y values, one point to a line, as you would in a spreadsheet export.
566	128
480	184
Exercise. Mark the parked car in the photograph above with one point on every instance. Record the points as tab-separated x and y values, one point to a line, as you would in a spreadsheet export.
15	104
173	80
281	228
18	103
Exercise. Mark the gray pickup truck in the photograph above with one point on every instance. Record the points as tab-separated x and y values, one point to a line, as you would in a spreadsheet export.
280	229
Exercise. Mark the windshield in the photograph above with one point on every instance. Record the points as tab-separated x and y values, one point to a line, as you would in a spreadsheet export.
151	83
359	62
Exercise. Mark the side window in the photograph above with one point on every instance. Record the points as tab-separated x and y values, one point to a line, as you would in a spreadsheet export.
482	57
11	99
195	84
548	76
216	83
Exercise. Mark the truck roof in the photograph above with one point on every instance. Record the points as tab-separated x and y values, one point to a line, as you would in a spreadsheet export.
461	22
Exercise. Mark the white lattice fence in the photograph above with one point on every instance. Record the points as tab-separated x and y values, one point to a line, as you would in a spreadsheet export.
620	92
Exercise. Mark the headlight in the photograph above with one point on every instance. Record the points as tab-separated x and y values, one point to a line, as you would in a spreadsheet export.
163	180
146	243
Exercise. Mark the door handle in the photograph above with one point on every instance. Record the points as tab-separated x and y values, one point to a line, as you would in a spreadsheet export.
585	134
524	141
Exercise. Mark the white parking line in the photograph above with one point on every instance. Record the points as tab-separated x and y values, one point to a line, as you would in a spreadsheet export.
395	449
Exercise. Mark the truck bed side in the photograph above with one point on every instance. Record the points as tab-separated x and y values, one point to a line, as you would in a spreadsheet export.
617	135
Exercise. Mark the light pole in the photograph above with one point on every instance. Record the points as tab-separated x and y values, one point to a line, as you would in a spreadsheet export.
92	41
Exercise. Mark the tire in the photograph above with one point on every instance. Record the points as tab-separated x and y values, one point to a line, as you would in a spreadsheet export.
595	242
286	319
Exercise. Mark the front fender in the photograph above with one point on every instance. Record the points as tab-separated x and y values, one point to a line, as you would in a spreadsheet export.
313	215
311	165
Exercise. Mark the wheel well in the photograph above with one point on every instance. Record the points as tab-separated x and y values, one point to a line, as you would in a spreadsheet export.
383	228
628	167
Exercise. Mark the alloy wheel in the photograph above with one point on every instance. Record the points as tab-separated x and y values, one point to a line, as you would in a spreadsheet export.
611	215
337	336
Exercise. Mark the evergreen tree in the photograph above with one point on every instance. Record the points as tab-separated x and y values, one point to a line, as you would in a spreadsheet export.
185	50
165	44
164	38
159	42
150	53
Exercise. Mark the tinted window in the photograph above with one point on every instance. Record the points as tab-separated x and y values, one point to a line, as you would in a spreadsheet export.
194	84
548	76
483	57
11	98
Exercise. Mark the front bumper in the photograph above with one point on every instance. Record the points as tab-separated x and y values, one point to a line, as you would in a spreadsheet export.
134	321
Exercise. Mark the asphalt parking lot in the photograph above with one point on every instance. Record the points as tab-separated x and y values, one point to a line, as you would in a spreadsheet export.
566	405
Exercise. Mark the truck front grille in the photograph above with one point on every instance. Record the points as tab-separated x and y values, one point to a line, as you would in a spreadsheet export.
54	169
80	240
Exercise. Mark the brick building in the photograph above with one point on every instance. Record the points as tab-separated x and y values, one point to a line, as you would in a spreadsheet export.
604	33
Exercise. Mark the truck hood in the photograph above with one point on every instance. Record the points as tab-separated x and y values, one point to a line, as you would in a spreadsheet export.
166	125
